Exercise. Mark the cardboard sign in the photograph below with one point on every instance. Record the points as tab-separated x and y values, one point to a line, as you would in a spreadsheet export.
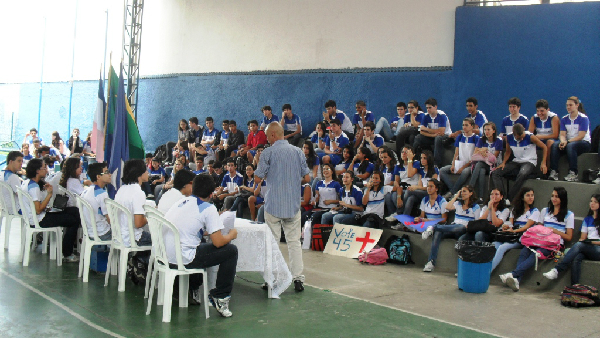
409	221
350	241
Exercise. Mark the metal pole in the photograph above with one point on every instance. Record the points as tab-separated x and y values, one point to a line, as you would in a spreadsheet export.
42	76
12	125
123	35
105	46
72	67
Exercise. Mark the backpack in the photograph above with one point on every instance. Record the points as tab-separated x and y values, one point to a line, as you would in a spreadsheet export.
578	295
399	250
320	236
377	256
541	237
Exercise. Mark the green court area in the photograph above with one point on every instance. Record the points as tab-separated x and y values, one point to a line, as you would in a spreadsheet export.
313	313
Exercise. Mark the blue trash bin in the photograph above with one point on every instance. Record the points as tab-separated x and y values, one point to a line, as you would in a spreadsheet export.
474	277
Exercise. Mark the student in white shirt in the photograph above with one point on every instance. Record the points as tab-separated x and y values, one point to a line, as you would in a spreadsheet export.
373	200
461	163
326	193
433	206
496	212
588	246
182	187
415	193
70	178
194	215
545	125
557	217
14	162
95	196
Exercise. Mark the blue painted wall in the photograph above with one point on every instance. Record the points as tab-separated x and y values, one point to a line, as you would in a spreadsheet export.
533	52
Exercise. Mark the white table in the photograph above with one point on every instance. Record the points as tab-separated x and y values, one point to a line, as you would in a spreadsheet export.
258	251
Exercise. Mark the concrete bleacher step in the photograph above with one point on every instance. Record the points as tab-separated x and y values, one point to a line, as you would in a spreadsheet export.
579	194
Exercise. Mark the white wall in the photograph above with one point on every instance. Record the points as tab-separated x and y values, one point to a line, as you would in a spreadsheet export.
196	36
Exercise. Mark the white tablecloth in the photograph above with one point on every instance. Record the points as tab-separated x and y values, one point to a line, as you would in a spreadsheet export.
258	251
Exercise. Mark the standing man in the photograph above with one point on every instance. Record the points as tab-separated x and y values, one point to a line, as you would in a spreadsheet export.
291	125
284	166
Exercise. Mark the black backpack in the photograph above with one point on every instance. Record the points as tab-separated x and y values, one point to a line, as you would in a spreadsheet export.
399	250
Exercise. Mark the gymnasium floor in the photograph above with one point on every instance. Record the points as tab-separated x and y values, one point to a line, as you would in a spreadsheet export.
342	299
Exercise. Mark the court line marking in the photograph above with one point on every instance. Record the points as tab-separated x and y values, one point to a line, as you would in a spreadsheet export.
62	306
406	311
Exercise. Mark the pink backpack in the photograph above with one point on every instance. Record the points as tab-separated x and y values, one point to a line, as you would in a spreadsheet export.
541	237
377	256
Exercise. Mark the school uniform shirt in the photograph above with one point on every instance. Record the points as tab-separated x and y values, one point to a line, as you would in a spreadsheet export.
343	165
588	227
463	217
439	121
133	198
369	169
480	119
353	196
263	188
508	123
292	124
95	196
423	174
532	214
209	135
15	182
190	216
400	121
376	203
315	139
574	126
543	127
158	173
327	191
346	123
550	221
435	211
466	146
74	185
388	175
496	145
377	141
37	195
266	121
169	199
224	137
232	183
501	214
358	119
196	134
524	150
198	172
401	171
341	141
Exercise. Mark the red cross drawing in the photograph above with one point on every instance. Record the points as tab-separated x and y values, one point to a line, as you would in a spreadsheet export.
364	241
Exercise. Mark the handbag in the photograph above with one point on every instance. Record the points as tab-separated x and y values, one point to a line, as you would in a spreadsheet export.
374	218
60	201
480	225
507	237
490	159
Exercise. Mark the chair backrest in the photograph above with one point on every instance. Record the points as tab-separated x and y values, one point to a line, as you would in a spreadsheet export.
85	208
159	228
7	199
28	207
114	212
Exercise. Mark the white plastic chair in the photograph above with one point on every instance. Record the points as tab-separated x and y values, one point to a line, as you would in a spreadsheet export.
150	210
114	211
8	212
87	243
28	232
158	224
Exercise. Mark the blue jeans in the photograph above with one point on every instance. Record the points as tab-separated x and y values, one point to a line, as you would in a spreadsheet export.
573	150
327	218
479	178
462	178
521	170
442	231
347	219
411	198
501	249
526	261
390	202
383	128
479	236
575	255
425	142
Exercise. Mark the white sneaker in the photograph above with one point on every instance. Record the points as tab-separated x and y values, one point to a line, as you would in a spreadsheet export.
552	274
596	181
427	232
397	226
428	267
71	259
503	277
572	177
222	305
391	217
513	283
553	176
194	297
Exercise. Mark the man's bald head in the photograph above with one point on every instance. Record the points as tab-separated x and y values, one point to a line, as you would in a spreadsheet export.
274	132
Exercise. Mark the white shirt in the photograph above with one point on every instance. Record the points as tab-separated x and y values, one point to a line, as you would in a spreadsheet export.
15	182
95	196
532	214
168	199
463	217
376	203
37	195
74	185
501	214
190	216
435	211
550	221
132	198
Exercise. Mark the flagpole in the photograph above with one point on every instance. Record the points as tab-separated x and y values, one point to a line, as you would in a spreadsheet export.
72	66
42	76
105	46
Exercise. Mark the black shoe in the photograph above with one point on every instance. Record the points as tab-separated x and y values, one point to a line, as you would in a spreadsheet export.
265	286
298	286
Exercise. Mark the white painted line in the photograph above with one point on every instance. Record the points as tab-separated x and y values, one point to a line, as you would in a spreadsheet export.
409	312
62	306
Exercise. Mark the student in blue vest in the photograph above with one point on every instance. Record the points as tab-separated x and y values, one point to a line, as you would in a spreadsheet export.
332	113
334	143
373	200
433	131
433	206
545	125
415	193
489	147
361	117
574	139
268	117
326	193
496	212
461	163
407	132
477	115
292	127
406	174
588	246
388	129
350	204
515	116
10	176
370	139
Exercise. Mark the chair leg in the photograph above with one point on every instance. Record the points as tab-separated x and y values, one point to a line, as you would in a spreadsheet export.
44	243
109	264
122	269
81	259
168	297
53	245
161	288
152	285
23	242
184	285
205	286
59	240
148	275
26	249
87	256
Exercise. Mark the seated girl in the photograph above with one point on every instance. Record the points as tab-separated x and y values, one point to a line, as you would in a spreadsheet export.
347	157
326	193
70	178
556	216
362	166
488	144
406	174
257	199
588	246
373	199
317	138
246	190
496	212
466	210
350	204
415	193
312	160
522	217
305	198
